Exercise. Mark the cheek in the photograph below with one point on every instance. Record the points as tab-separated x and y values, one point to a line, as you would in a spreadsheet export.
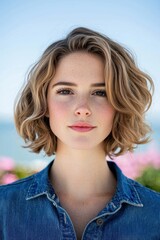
57	110
110	112
57	114
106	111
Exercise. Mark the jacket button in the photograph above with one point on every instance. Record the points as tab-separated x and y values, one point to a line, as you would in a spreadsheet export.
99	221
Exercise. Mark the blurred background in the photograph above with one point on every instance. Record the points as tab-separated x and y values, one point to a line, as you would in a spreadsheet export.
28	27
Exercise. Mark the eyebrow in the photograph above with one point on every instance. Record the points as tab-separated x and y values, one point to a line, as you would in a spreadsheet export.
75	85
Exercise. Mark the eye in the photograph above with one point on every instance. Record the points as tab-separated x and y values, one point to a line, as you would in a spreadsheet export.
64	91
100	93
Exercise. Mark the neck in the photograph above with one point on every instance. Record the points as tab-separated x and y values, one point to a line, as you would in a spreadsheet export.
82	174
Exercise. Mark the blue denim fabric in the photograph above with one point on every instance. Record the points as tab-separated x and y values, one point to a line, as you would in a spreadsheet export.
30	209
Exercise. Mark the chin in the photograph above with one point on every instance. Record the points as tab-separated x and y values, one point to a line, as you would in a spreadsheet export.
86	146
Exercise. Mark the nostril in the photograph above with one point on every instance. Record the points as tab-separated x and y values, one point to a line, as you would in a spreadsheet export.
86	113
83	111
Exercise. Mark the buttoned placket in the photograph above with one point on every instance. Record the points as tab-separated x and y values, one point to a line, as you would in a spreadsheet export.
94	228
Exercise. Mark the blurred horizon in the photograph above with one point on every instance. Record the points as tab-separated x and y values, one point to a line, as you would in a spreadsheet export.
11	144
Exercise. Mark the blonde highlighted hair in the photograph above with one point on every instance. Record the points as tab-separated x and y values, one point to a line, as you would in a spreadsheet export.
128	89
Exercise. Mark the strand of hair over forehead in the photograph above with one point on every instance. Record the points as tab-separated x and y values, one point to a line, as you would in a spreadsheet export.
85	39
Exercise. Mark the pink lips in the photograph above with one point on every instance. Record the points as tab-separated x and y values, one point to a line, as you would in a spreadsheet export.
82	127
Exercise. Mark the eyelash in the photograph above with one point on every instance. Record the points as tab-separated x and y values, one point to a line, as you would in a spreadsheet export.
101	93
66	91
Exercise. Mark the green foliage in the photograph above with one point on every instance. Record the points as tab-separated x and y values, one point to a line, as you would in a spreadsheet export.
22	172
150	178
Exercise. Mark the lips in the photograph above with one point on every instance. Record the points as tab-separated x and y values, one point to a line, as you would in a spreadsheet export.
82	127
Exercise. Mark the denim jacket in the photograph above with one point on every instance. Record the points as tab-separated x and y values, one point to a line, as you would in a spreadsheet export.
30	210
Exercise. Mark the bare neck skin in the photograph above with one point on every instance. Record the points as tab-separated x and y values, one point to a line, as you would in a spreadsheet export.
82	174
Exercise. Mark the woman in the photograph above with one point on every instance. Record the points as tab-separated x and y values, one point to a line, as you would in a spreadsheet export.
84	101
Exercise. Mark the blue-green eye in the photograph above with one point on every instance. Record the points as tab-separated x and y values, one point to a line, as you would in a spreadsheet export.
64	92
100	93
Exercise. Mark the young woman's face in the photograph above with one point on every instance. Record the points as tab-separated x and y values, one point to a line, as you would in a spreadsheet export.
79	113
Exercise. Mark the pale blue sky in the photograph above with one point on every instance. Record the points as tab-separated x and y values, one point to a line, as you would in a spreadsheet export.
28	27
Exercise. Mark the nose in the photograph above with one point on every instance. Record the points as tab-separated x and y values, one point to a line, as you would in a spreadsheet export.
83	110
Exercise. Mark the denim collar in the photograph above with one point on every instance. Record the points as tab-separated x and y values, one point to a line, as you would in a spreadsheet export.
125	192
41	185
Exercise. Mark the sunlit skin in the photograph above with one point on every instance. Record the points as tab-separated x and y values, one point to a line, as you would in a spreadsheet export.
81	117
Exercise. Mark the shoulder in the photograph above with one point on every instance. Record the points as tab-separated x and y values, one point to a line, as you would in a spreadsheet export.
16	188
20	190
147	196
133	190
23	184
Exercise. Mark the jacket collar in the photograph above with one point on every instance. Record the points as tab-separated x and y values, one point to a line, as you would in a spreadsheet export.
125	192
41	185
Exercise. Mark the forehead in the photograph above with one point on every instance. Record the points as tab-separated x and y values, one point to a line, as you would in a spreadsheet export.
80	65
81	56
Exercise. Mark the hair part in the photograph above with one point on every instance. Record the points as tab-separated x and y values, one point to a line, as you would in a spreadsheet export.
128	89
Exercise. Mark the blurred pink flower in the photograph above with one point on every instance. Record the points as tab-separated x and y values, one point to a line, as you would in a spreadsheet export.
133	164
7	164
8	178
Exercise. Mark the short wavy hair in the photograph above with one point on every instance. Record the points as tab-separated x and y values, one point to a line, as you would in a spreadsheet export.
129	90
